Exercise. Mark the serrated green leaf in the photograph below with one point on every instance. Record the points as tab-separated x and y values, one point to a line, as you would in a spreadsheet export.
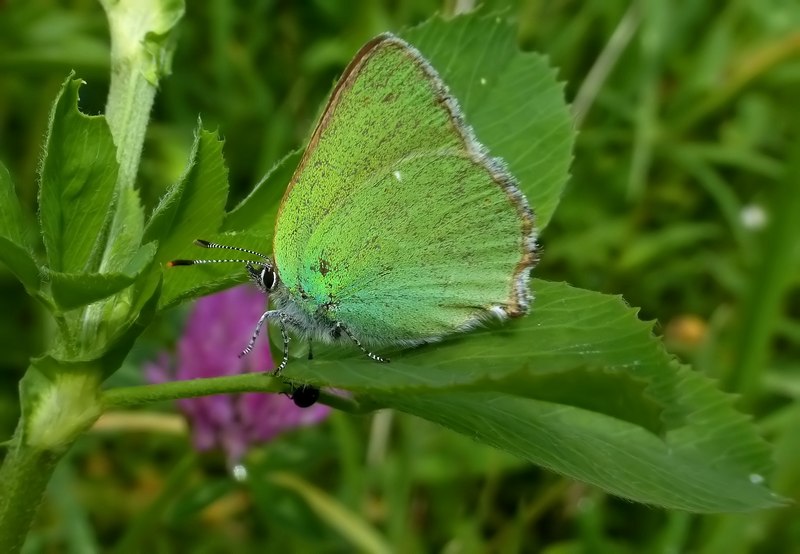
510	98
570	332
78	174
192	208
195	204
604	391
73	290
613	455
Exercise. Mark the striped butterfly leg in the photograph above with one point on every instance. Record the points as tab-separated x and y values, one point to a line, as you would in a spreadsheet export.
283	319
339	328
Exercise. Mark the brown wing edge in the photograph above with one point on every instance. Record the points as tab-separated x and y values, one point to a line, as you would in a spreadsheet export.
519	299
345	82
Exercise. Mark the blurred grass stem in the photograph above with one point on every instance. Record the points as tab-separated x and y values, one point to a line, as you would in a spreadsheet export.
769	283
606	62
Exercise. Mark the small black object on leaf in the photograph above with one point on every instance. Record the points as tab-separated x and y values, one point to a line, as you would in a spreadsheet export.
304	396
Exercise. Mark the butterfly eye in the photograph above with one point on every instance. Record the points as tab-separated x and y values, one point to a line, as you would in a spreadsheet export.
263	276
267	278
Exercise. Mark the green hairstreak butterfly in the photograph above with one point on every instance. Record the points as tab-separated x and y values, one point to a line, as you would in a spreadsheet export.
398	227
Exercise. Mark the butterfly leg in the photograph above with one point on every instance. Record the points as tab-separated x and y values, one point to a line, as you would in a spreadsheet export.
285	336
264	317
371	355
282	319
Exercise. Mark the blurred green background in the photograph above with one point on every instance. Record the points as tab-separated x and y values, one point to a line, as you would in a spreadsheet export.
685	199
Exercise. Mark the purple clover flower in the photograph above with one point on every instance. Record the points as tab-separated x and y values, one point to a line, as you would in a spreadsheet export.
217	330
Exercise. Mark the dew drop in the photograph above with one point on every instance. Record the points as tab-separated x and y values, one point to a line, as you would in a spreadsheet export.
483	80
398	175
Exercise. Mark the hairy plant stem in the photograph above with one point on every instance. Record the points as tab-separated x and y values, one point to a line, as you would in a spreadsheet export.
128	397
23	479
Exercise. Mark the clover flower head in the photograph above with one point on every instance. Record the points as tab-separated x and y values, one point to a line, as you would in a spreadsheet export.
217	329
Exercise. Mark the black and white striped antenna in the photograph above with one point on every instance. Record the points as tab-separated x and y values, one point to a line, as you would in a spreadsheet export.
207	244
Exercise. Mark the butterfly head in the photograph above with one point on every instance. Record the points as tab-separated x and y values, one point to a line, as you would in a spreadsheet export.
263	275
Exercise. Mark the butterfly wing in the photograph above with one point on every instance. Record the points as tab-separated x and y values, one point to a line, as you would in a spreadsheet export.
396	222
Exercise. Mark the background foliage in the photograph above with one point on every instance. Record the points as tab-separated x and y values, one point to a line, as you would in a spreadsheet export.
679	201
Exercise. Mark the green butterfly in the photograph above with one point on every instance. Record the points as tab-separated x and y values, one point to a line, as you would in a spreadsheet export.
397	227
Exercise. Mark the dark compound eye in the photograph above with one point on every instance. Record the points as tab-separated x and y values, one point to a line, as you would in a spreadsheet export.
305	396
268	278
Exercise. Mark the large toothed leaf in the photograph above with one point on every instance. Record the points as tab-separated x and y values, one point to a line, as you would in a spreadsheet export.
78	174
192	208
510	98
580	386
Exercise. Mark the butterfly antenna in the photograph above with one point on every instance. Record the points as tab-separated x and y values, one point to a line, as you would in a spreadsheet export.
207	244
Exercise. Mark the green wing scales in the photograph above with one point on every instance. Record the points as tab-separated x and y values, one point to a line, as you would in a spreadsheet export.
396	221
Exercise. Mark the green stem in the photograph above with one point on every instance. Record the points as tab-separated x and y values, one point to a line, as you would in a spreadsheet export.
647	124
130	99
58	403
23	479
127	397
141	52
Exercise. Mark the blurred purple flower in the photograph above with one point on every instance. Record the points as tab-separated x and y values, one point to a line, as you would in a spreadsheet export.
217	330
